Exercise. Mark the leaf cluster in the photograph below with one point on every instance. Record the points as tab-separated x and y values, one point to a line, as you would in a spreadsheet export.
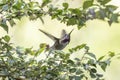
10	10
17	63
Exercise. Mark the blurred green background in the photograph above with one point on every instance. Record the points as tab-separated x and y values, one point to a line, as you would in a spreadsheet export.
98	35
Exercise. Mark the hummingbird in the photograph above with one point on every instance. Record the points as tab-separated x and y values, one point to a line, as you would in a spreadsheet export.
59	43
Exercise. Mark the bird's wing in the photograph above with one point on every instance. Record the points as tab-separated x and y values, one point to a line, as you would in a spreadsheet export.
49	35
63	33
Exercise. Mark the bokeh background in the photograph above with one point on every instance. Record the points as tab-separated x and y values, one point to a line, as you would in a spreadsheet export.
98	35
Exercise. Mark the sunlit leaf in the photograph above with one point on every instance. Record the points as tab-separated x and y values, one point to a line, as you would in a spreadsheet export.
77	48
91	55
87	4
6	38
100	58
45	2
111	54
65	5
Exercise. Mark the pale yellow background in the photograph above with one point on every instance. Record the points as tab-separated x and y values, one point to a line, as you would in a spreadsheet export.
98	35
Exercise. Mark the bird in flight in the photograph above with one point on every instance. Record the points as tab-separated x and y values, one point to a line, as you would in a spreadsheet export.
59	43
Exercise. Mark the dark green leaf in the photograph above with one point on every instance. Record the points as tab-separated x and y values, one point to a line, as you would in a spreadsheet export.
103	2
87	4
102	14
92	55
111	54
93	70
65	5
4	26
76	11
70	62
78	78
92	75
71	21
72	70
6	38
78	72
103	65
45	2
114	18
77	48
18	5
111	8
101	58
12	22
99	75
77	59
39	51
91	62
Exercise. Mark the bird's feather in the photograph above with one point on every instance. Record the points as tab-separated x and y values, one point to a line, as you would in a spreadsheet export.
49	35
63	33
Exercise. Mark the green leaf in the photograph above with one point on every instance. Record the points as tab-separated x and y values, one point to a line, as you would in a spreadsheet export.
76	11
18	5
71	21
78	72
103	65
92	62
5	7
65	5
6	38
72	70
111	8
102	14
45	2
12	22
4	26
87	4
99	75
39	51
77	48
92	55
100	58
114	18
92	75
70	62
103	2
93	70
111	54
77	78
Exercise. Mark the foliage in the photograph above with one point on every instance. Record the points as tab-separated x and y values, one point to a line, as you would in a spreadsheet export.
14	61
91	9
16	65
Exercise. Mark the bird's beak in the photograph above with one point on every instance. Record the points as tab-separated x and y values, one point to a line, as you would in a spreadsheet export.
71	31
